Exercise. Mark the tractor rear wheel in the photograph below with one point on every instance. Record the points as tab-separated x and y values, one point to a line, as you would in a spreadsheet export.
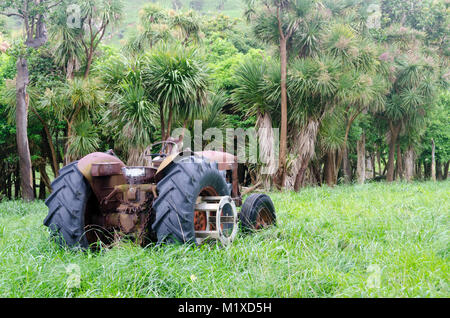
67	205
257	213
184	182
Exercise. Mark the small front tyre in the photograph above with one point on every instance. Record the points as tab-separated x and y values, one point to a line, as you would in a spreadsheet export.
257	213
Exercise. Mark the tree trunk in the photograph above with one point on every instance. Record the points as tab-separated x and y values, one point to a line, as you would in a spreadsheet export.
266	148
59	147
426	170
162	122
169	124
17	182
42	193
374	169
433	161
346	167
301	174
44	177
409	164
445	173
88	64
3	184
49	142
316	171
438	170
391	161
9	187
34	182
23	149
361	154
283	133
399	163
51	146
305	147
71	66
370	168
419	170
380	171
330	168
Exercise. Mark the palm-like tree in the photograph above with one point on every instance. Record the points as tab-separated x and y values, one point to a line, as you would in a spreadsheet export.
75	101
414	82
409	101
276	22
188	24
362	84
313	87
257	94
153	28
68	50
177	81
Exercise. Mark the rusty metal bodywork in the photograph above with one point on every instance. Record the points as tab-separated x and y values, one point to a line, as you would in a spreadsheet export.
124	204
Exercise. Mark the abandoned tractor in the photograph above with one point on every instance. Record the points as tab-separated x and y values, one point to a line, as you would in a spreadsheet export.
178	197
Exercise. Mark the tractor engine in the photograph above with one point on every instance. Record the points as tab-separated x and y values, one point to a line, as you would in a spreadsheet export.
126	196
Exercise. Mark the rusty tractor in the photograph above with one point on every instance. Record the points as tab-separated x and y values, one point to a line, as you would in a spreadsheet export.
182	197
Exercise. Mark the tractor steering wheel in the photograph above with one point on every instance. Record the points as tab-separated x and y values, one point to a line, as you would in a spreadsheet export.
162	153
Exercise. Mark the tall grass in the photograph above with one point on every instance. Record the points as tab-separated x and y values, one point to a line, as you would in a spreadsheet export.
375	240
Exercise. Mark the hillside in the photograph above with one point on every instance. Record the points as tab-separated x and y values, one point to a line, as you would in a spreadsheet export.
232	8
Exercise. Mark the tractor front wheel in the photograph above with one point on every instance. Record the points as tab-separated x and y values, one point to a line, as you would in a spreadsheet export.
257	213
184	182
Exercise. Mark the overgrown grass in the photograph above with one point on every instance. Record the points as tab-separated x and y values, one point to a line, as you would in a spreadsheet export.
328	243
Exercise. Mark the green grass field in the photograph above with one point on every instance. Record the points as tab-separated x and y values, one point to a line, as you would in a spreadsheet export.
375	240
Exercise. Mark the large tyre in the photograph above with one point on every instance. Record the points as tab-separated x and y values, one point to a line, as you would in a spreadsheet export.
177	194
67	205
257	212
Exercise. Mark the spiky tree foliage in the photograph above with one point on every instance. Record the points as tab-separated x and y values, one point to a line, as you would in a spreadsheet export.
212	114
153	28
188	25
134	119
130	113
75	101
68	50
177	81
308	39
83	141
83	28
